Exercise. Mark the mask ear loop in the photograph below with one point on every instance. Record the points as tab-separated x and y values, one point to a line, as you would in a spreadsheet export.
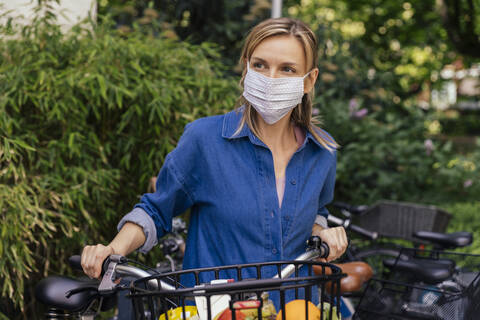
307	74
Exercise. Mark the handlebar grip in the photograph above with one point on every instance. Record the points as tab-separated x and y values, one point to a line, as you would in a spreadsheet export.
364	232
76	263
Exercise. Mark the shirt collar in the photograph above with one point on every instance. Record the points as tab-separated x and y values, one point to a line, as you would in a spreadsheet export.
230	125
233	118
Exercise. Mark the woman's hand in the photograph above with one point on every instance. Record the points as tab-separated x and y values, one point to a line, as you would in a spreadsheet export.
129	238
336	238
93	257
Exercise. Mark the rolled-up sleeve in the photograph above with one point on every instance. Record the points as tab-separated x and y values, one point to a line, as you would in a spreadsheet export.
141	218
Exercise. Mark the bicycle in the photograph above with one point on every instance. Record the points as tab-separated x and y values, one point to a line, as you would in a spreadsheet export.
380	246
397	256
431	284
153	294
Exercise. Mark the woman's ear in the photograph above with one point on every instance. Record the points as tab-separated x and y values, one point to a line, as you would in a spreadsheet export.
310	80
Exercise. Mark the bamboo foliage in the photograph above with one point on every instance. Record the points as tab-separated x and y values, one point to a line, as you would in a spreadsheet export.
86	118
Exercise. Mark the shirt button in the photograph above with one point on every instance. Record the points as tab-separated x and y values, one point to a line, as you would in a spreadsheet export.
293	182
274	251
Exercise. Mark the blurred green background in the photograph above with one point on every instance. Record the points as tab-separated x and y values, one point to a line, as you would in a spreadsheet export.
87	116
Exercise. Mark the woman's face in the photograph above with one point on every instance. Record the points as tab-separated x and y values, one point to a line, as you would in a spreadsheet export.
282	56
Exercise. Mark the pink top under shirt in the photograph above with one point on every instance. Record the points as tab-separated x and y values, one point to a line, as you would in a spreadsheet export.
280	182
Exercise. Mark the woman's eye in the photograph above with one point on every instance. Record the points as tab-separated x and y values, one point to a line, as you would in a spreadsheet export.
257	65
289	70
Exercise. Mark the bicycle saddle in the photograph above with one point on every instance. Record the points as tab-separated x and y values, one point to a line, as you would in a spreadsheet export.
446	240
52	291
358	273
428	271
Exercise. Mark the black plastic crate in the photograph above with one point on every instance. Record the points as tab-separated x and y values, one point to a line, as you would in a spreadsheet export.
156	303
402	219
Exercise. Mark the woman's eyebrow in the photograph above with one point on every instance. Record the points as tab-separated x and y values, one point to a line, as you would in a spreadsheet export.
283	63
259	59
289	64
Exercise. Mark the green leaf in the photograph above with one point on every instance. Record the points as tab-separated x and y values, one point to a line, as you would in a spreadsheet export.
118	99
71	140
137	67
41	77
22	144
103	87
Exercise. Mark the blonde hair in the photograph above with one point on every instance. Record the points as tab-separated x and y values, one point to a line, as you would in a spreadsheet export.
302	113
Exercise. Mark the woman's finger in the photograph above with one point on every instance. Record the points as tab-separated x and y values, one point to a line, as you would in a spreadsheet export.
85	260
92	259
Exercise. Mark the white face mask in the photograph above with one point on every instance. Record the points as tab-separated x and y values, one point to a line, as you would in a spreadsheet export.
273	98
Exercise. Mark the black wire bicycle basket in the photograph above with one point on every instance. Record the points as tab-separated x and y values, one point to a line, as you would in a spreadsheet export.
246	291
424	284
402	219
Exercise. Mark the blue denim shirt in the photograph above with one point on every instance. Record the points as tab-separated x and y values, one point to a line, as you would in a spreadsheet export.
228	181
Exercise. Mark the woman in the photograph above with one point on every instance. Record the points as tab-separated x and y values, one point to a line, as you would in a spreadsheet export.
257	179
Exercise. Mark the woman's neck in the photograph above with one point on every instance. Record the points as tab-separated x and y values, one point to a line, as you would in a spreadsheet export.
279	136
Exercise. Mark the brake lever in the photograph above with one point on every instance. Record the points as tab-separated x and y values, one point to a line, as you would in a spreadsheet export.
107	285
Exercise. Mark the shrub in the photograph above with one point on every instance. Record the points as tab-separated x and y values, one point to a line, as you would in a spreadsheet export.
86	118
387	156
390	147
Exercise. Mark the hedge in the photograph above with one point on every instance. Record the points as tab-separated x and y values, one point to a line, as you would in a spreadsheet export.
86	118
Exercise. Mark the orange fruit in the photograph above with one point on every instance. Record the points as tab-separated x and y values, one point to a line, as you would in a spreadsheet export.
295	310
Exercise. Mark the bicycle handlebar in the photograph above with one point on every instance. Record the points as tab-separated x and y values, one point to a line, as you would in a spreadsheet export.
76	263
364	232
115	266
317	249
